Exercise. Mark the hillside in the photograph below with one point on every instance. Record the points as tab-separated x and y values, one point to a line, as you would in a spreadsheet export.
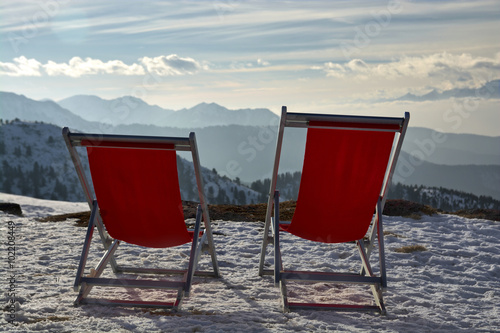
476	179
34	161
438	197
452	149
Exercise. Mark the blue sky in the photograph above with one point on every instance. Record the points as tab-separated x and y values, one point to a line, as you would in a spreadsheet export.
354	57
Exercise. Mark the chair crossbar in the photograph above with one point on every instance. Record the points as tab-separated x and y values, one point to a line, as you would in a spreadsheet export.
328	277
106	258
125	269
124	141
341	307
294	119
142	304
346	126
129	283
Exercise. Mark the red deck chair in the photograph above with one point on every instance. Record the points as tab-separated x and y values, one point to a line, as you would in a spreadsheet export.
348	163
136	199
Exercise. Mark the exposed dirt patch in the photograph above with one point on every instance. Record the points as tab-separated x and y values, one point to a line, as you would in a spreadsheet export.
411	249
245	213
487	214
49	318
82	218
257	212
248	213
407	209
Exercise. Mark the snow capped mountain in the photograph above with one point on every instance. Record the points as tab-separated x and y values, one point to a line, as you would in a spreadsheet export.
34	161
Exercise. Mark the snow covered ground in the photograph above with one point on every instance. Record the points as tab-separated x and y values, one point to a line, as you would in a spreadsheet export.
452	286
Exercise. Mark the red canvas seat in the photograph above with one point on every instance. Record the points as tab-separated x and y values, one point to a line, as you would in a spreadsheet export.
144	210
349	174
136	199
348	163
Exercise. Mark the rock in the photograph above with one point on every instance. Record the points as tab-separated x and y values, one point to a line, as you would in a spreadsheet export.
11	208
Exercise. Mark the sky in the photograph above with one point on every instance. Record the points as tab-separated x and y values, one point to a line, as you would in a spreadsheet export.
347	57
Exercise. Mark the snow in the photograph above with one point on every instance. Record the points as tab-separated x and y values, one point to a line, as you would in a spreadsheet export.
33	208
453	285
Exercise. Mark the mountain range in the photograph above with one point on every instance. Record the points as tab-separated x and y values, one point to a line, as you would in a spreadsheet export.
129	110
490	89
240	144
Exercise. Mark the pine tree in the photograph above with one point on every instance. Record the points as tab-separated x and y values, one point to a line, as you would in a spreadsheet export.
7	170
7	185
24	186
17	151
51	173
36	176
221	197
242	198
60	190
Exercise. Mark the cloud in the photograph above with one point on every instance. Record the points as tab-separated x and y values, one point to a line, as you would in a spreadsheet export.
239	65
171	65
20	66
261	62
464	69
77	67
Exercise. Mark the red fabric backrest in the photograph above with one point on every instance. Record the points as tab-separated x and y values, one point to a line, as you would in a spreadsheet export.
138	195
342	177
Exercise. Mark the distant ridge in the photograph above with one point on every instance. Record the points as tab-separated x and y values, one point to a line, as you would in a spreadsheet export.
14	106
490	89
129	110
213	114
119	111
